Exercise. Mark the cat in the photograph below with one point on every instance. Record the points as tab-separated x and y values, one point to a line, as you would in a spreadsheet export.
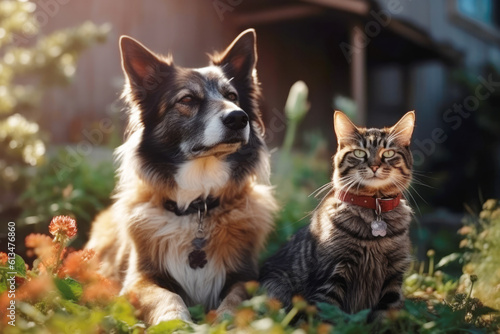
356	249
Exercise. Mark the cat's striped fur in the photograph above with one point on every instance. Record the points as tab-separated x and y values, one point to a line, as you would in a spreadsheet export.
336	259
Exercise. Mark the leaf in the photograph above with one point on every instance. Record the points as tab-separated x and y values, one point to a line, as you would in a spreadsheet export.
449	259
484	310
20	266
3	285
167	327
69	288
123	311
360	317
329	312
415	307
334	313
197	313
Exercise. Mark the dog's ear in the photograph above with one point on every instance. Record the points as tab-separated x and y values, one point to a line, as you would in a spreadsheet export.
240	57
140	65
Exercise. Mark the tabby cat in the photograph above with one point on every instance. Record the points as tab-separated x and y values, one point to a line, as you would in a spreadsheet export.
356	249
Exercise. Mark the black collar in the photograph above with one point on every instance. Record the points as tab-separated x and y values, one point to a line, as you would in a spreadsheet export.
198	205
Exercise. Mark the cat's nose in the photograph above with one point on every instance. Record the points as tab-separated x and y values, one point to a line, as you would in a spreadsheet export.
374	168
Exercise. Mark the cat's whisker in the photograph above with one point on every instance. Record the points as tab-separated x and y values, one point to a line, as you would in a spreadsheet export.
348	185
406	192
416	180
416	192
423	174
352	184
321	201
420	183
396	135
359	183
321	189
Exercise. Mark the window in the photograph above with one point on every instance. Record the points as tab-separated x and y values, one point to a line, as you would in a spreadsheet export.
479	10
481	17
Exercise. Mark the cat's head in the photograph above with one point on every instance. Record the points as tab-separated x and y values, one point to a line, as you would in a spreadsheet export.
373	162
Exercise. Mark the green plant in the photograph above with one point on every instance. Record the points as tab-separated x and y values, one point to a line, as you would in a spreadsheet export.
63	292
297	174
30	64
481	253
297	177
430	286
296	108
82	191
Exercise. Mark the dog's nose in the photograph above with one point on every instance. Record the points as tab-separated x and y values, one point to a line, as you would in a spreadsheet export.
236	120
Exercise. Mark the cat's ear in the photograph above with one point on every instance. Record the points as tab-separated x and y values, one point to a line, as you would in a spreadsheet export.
344	128
402	131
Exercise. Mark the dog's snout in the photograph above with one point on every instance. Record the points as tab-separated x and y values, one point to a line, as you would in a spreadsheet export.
236	120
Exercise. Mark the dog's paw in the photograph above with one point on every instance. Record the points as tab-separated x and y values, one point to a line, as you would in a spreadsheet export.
173	315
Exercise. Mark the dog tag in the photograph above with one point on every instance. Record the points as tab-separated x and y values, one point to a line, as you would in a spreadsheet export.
197	259
379	228
199	243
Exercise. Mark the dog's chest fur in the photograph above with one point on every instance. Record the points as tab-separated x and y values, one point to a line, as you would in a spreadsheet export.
169	239
202	285
199	178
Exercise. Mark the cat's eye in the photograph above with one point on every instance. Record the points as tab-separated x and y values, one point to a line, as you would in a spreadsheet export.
388	153
359	153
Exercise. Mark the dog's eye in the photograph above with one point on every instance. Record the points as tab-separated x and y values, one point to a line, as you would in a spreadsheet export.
232	97
186	99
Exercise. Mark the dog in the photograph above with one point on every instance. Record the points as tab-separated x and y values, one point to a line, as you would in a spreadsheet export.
193	204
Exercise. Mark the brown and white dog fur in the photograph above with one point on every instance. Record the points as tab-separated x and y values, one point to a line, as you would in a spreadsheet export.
192	133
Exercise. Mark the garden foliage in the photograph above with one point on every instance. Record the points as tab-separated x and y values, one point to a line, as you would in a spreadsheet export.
30	64
62	292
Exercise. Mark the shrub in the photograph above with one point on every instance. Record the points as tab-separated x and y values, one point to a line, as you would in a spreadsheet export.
481	257
81	191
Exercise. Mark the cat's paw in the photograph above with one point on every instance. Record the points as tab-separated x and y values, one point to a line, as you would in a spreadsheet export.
376	316
223	313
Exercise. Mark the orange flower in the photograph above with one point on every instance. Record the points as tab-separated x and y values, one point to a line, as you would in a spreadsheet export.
44	249
35	289
324	328
4	303
37	240
244	317
211	317
3	258
42	245
274	305
79	265
101	291
63	226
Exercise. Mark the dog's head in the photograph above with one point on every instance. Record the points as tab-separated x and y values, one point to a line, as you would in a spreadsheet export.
183	114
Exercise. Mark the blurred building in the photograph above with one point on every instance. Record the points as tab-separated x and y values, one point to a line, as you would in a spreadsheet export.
386	56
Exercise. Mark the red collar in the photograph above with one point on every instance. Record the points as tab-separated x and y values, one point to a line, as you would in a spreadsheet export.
386	204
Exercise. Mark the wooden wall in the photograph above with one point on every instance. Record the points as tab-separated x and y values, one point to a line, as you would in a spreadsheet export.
187	29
